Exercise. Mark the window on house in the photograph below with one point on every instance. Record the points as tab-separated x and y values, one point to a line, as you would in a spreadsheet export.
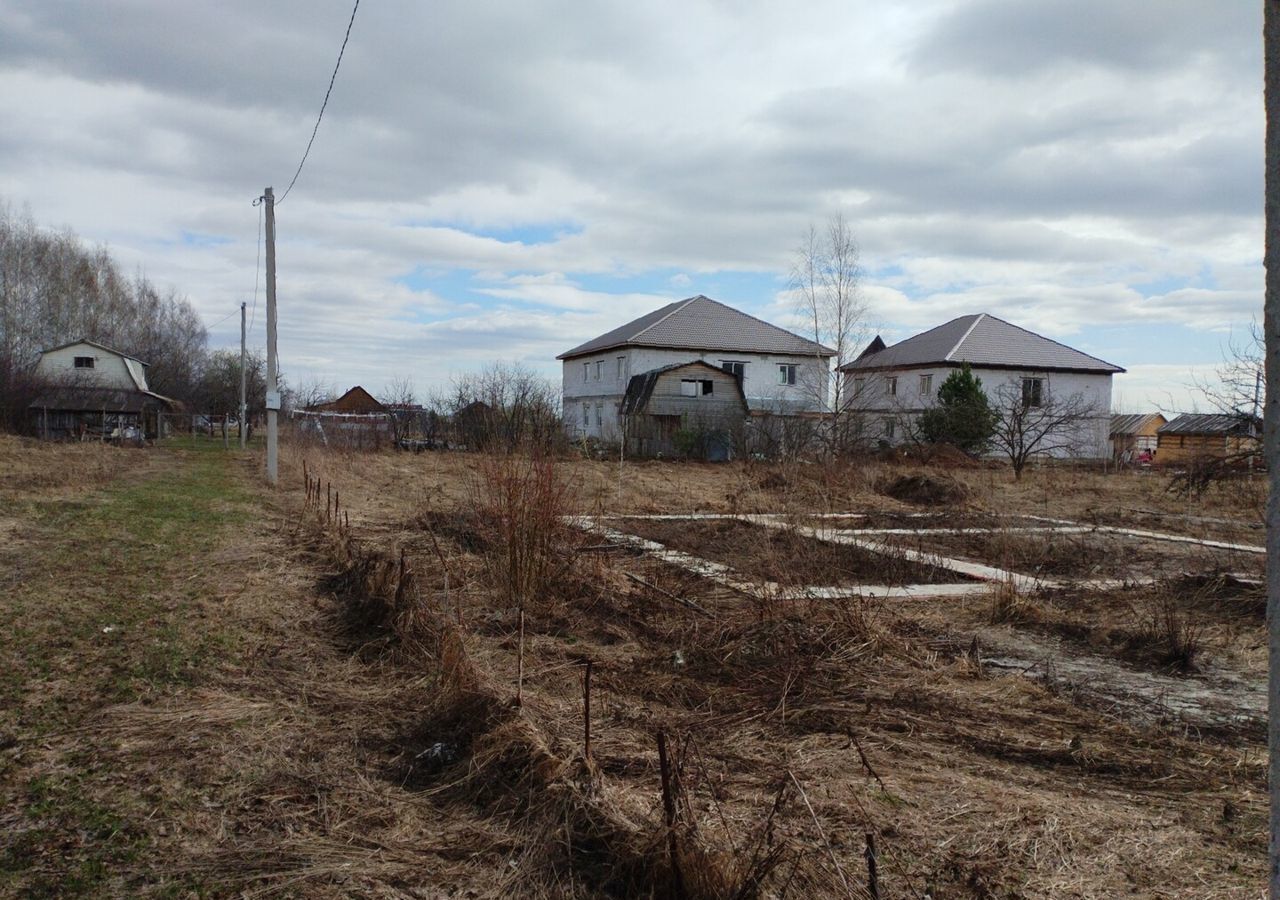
1032	391
84	362
696	387
599	415
859	384
737	369
599	368
586	415
890	428
586	371
787	373
926	385
893	386
622	366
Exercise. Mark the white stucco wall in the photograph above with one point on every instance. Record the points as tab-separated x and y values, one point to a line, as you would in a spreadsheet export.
875	400
110	370
580	384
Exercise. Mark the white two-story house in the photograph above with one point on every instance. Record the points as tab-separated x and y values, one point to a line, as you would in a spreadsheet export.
780	372
889	386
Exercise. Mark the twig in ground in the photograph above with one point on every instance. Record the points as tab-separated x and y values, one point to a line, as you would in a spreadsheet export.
873	875
670	596
669	810
822	835
866	763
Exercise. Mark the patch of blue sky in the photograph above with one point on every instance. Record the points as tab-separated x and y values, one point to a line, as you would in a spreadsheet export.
1149	343
197	239
529	233
733	287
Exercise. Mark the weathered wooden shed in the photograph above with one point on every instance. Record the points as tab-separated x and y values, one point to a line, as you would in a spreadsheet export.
1132	433
691	409
1193	436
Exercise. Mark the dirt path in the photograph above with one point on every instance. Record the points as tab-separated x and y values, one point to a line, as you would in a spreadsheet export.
178	716
1215	697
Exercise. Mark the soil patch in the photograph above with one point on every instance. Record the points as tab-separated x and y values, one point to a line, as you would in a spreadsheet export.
786	557
1083	555
926	490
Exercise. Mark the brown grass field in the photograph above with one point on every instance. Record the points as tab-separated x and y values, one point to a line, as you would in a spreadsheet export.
209	688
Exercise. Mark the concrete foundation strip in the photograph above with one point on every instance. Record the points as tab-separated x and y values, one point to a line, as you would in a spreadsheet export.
730	578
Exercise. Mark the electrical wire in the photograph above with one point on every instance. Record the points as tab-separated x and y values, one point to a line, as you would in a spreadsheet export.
332	78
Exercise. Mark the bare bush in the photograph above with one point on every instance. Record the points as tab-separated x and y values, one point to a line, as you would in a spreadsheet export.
520	501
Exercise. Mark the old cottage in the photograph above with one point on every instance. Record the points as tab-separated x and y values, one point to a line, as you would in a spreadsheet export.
94	391
692	409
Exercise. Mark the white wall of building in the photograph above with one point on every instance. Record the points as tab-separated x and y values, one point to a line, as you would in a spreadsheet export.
878	397
594	385
109	370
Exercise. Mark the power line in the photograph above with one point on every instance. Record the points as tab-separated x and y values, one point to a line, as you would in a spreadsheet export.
220	321
332	78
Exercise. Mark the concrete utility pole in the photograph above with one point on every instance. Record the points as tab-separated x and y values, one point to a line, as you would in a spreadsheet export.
273	393
242	399
1271	419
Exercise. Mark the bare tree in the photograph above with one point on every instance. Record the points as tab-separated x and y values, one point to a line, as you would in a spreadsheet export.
825	275
403	410
1237	387
1032	421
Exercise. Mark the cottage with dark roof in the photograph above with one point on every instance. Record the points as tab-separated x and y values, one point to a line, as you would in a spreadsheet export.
92	390
779	371
890	385
1199	436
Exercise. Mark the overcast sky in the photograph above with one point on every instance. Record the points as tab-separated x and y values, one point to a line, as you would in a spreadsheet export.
506	180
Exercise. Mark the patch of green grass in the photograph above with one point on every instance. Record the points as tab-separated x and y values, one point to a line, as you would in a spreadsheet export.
108	606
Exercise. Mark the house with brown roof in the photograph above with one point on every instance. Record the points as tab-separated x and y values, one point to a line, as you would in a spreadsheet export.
780	372
889	386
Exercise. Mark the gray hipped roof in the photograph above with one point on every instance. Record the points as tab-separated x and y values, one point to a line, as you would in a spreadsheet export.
982	341
700	323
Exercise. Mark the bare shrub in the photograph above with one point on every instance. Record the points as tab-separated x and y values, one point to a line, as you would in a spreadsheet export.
1167	634
520	502
1009	605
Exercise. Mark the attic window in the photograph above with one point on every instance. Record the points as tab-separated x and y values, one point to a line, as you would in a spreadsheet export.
691	387
84	362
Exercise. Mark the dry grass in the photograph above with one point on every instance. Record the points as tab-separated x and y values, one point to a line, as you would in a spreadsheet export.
362	739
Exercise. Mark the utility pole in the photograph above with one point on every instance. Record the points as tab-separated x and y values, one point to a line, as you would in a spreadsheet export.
1271	419
242	400
273	392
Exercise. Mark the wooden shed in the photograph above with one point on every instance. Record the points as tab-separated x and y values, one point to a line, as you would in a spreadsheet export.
691	409
1133	434
1193	436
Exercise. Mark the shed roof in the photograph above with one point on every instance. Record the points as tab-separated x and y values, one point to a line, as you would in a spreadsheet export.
640	387
982	341
1212	423
700	323
1132	423
92	399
